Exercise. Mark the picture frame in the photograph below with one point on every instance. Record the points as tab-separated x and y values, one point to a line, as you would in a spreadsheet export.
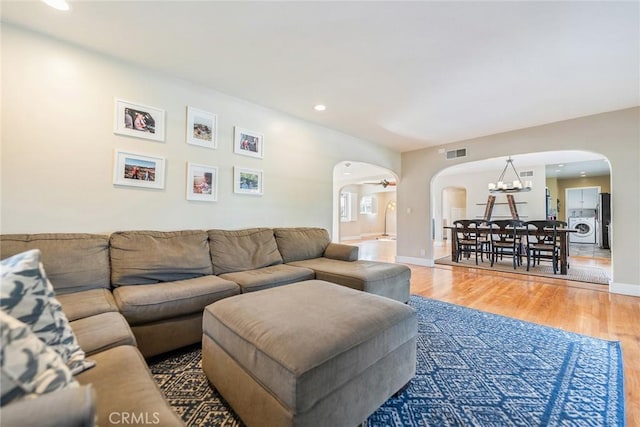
248	143
248	181
139	121
202	182
138	170
202	128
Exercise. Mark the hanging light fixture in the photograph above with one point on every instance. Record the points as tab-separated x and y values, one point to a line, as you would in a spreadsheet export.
516	186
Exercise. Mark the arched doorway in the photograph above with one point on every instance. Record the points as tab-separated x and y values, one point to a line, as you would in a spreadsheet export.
364	203
552	174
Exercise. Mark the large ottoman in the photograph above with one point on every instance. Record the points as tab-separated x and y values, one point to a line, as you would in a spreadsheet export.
308	354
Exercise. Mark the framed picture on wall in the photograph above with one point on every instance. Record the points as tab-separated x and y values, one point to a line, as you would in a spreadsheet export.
138	170
202	182
248	181
137	120
248	143
201	128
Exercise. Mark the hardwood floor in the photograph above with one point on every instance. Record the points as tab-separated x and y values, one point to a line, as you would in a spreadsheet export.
572	306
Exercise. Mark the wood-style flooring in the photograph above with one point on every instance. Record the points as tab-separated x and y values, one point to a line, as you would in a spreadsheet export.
572	306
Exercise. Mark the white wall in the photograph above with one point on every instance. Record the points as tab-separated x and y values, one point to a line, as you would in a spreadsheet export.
454	207
58	144
616	135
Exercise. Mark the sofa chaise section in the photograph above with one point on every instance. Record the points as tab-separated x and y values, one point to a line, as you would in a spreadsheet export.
162	281
338	263
251	259
384	279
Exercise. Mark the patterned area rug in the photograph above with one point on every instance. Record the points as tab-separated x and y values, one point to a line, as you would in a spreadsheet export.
474	369
576	273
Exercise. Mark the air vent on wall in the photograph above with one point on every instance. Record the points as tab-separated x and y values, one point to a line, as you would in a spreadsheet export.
454	154
524	174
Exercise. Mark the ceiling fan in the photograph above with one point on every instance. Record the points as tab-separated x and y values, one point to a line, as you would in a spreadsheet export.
385	183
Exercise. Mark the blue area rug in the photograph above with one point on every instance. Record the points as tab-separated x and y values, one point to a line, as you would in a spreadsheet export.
474	369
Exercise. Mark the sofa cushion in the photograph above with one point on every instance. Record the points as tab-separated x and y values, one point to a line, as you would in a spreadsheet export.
301	243
144	257
87	303
269	277
102	331
241	250
148	303
28	366
27	295
69	407
125	388
380	278
73	261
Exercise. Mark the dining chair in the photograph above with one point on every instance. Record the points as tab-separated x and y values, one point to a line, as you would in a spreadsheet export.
506	240
470	239
543	242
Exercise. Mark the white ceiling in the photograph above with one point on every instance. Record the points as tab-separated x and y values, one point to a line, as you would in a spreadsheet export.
558	164
402	74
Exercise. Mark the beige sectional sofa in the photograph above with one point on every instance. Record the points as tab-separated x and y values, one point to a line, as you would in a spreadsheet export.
120	385
135	294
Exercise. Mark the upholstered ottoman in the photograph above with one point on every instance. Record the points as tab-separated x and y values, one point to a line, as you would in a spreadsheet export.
308	354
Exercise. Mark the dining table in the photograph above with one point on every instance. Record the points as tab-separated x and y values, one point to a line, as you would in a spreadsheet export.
563	235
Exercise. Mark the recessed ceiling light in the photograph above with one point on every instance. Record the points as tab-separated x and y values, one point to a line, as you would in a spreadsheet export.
319	107
560	165
347	173
58	4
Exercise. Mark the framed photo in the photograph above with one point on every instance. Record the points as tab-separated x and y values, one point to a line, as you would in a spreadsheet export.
248	181
138	170
202	182
202	128
248	143
140	121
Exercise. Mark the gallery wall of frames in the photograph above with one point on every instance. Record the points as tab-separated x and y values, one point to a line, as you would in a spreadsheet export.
136	120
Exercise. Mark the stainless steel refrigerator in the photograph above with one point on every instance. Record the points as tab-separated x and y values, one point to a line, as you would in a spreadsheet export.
603	218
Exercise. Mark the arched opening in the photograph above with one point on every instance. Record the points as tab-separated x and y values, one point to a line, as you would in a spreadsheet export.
554	175
365	208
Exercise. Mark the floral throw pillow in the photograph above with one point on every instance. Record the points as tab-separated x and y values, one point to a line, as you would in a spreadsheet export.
27	366
27	295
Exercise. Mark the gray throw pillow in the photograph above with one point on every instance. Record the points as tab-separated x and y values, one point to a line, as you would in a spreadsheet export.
27	295
27	366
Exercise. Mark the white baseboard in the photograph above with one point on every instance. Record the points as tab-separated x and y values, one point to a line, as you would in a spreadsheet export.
624	289
370	234
364	236
425	262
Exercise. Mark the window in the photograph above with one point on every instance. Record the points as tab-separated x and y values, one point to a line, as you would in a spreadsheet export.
368	205
347	213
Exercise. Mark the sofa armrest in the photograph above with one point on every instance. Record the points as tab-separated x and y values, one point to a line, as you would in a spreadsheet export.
69	407
341	252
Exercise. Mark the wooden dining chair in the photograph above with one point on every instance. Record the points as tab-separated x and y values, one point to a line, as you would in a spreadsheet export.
469	239
543	242
506	240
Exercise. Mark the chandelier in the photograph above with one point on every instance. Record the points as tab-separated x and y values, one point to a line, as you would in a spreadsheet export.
516	186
